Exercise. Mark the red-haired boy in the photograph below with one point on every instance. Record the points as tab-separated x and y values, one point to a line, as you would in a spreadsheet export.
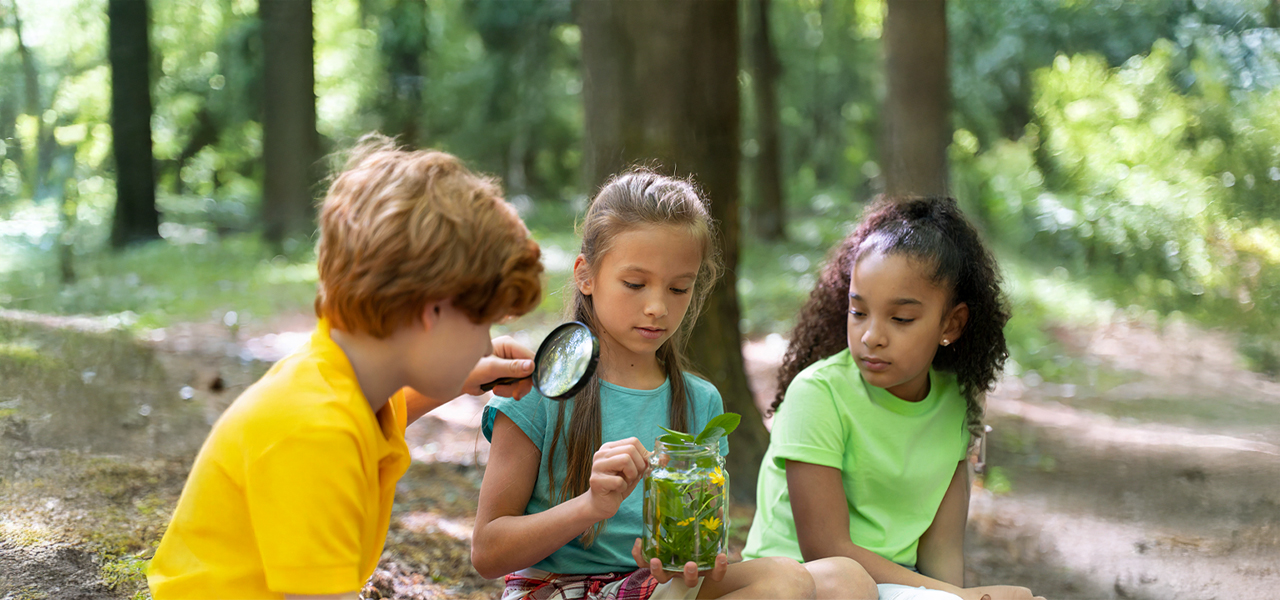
291	493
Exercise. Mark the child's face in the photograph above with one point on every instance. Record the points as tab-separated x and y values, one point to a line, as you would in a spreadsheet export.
897	320
641	289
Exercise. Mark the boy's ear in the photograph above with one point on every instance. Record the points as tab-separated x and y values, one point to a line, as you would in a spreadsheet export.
582	275
431	314
953	325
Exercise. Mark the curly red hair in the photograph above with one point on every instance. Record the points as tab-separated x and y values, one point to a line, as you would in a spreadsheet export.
400	229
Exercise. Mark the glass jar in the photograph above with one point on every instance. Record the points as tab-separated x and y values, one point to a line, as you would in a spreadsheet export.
686	505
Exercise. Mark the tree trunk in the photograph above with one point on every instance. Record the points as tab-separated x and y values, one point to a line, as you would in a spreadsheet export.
917	107
290	144
403	41
66	237
770	213
205	134
30	105
660	84
135	218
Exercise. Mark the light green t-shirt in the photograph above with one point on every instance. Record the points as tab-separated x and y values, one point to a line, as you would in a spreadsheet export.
896	458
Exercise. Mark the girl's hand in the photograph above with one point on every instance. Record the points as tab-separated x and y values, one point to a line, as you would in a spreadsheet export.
690	573
616	468
998	592
509	359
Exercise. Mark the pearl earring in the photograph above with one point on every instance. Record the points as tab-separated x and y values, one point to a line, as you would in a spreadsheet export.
945	342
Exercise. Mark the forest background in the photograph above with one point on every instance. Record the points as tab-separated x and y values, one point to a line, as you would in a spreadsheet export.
159	164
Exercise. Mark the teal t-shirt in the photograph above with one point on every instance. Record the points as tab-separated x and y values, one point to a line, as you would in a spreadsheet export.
896	458
624	413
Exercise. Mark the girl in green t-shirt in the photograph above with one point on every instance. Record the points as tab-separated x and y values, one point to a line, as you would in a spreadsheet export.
878	391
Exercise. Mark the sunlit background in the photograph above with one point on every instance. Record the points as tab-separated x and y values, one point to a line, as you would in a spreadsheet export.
1122	158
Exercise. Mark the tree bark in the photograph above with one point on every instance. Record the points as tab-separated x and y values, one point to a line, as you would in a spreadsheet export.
660	84
32	173
290	144
135	217
917	107
66	237
770	213
403	41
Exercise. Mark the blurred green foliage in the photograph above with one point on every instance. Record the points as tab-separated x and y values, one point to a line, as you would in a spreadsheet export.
1122	157
1151	193
160	284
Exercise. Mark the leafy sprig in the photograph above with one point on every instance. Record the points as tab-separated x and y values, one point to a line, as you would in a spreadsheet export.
716	428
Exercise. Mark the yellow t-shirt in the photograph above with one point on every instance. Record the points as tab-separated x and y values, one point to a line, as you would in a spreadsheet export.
292	490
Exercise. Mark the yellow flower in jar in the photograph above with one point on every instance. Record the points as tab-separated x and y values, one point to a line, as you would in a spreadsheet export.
686	521
711	523
717	477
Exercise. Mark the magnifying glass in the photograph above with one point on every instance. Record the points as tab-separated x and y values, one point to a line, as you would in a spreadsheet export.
565	361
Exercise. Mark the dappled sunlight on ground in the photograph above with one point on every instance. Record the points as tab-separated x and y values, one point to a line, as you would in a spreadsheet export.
1156	475
1099	429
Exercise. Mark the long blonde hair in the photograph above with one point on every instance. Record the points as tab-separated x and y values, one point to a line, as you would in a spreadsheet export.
628	200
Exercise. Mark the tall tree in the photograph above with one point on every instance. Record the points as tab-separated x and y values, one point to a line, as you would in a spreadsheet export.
290	144
770	214
403	42
660	84
917	107
35	176
135	218
518	39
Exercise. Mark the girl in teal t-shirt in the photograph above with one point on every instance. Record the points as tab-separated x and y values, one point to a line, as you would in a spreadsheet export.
878	393
559	511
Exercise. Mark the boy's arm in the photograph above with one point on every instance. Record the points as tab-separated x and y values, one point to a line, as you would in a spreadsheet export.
821	512
509	359
941	550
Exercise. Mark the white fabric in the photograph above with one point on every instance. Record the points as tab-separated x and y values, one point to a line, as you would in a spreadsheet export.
675	589
893	591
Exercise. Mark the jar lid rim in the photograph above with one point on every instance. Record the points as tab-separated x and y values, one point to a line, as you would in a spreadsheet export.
685	446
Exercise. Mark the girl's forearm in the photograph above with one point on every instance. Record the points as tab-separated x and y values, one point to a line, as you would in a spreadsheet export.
883	570
510	543
948	568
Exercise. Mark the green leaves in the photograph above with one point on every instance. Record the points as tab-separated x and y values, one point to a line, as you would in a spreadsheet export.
684	517
715	429
719	427
675	437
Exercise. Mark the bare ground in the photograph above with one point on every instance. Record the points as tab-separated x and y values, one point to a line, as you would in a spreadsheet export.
1156	475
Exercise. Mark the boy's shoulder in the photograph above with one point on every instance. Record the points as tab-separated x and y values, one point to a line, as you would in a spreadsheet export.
308	387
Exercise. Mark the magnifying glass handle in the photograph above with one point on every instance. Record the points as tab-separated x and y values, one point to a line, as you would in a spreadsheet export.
487	387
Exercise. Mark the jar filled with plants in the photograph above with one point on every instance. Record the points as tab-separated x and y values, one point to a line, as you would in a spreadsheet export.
686	497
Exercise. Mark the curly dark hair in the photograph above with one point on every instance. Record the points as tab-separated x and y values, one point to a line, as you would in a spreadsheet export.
931	229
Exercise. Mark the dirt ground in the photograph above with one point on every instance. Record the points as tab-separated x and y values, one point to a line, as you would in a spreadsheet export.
1155	475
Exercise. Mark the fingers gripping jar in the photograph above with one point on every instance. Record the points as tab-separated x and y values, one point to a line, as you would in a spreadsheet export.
686	503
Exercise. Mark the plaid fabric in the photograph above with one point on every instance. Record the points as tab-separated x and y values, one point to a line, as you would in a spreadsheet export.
637	585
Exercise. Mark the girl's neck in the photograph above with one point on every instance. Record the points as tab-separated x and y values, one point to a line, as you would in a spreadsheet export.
629	370
913	391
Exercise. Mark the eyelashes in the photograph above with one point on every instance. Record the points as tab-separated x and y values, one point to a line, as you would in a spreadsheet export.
638	286
859	315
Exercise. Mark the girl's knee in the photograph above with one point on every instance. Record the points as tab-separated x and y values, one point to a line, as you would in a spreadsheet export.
841	577
787	578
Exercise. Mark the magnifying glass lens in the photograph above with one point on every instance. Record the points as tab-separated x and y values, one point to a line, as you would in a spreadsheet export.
565	360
